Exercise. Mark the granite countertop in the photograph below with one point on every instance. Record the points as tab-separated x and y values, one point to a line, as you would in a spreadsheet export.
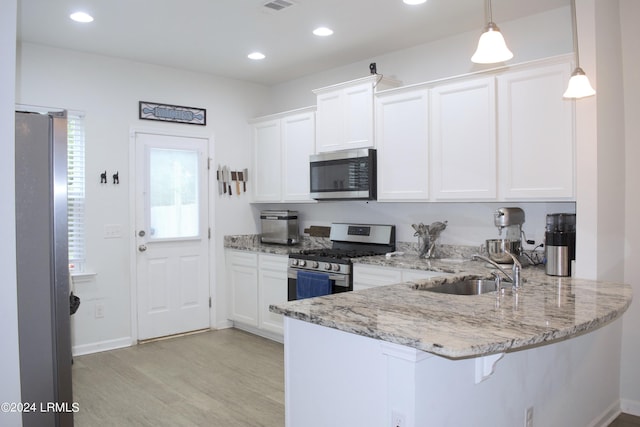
252	243
410	260
546	309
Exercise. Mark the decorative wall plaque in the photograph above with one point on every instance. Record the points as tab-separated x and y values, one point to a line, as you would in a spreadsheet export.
172	113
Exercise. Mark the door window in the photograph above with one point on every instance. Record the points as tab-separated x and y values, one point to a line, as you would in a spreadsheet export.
173	194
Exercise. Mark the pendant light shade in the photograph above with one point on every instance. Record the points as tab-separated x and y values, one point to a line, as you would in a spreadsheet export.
579	86
491	46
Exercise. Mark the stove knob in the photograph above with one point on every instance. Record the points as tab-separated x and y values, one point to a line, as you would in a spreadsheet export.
335	267
314	264
327	266
294	262
302	263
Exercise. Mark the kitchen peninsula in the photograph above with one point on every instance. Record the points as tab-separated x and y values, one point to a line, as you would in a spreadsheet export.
401	355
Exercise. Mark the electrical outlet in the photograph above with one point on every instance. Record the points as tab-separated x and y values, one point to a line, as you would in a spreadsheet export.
397	419
99	313
528	417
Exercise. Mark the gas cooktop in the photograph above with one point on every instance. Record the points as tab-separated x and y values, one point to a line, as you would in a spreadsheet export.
353	241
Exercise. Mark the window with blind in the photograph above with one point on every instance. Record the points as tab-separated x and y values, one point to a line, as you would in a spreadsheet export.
75	191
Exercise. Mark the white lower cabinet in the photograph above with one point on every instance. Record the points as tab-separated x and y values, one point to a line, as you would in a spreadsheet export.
370	276
272	289
242	273
254	282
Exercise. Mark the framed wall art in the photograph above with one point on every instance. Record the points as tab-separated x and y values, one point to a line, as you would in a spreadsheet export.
172	113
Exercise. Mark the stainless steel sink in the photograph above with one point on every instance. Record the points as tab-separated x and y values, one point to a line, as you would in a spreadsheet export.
465	287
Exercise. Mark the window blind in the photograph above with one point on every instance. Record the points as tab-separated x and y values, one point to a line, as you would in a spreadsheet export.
76	190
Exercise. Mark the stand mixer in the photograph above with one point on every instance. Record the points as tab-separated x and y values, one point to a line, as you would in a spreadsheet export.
510	220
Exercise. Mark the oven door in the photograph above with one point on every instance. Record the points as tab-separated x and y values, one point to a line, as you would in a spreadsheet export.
349	174
339	283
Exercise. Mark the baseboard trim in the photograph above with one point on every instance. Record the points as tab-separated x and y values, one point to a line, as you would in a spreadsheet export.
631	407
260	332
607	417
97	347
223	325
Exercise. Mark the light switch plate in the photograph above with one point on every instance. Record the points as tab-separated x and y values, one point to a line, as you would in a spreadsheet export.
112	231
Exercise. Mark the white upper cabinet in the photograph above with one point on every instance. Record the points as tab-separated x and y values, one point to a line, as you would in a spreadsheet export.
298	143
536	137
402	139
344	118
463	140
267	176
506	135
282	146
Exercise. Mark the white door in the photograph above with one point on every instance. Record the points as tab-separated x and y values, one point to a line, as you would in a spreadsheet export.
171	234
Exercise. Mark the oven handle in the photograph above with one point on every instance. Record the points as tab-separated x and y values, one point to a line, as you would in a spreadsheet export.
339	279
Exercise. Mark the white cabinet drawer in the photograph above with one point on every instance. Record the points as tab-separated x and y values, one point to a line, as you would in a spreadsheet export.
248	259
369	276
366	276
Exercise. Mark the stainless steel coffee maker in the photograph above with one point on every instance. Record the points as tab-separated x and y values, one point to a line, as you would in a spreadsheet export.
560	243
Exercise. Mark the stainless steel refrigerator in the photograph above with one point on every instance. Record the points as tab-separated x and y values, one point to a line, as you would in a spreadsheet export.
44	324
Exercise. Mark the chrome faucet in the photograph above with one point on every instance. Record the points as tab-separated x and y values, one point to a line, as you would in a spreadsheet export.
514	278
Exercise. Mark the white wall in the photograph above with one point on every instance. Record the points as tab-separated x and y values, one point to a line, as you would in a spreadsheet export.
469	223
630	374
9	356
566	383
108	91
440	59
611	147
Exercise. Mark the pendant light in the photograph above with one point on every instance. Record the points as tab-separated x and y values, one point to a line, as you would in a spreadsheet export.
579	86
491	46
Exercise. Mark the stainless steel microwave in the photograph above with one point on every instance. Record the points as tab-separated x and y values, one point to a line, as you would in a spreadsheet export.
347	174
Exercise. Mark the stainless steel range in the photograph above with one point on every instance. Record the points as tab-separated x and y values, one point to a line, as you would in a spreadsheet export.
329	270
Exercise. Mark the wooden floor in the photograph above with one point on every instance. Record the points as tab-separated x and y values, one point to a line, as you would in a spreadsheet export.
626	420
217	378
214	378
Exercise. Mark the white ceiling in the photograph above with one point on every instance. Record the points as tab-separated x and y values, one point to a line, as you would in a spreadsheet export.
215	36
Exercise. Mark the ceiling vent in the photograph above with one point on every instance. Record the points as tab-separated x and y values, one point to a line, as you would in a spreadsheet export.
278	5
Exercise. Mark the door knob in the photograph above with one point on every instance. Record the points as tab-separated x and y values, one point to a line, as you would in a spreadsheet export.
142	248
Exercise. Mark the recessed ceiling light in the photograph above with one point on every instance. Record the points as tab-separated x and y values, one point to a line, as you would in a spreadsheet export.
256	56
414	2
81	17
323	31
